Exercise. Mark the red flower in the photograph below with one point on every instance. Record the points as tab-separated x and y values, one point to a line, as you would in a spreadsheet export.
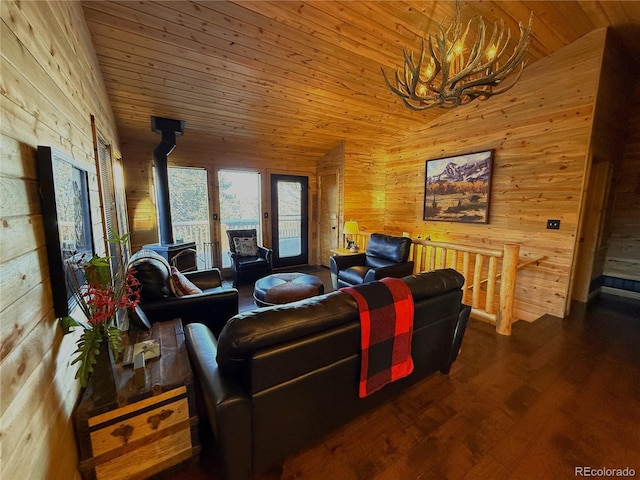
105	302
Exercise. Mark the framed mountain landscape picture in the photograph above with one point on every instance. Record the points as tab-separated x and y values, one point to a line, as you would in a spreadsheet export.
457	189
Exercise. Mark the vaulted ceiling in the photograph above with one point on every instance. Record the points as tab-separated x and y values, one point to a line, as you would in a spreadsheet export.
297	77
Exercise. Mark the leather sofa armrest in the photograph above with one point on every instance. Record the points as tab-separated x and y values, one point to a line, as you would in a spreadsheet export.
205	279
458	333
341	262
227	404
213	308
397	270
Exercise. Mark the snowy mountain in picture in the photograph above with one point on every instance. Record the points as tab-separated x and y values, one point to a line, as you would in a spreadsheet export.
468	171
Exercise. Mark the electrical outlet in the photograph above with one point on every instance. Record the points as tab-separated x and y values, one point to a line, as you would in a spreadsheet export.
553	224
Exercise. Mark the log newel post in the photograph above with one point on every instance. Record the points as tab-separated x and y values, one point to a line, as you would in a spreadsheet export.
507	288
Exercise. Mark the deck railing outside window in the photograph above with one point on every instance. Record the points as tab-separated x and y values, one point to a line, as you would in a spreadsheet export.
289	235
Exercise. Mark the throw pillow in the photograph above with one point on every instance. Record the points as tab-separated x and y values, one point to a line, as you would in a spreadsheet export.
180	285
246	246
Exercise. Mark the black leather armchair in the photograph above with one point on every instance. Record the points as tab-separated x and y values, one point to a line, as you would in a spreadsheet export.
248	267
213	307
386	256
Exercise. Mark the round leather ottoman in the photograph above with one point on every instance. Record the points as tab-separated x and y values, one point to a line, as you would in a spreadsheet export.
280	288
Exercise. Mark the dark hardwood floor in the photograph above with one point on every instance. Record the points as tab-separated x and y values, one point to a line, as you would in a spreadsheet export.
556	395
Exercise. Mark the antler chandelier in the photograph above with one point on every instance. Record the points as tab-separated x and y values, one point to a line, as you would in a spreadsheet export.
455	73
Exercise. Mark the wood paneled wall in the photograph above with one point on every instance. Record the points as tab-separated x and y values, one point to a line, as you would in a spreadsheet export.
50	85
623	253
364	185
137	161
540	133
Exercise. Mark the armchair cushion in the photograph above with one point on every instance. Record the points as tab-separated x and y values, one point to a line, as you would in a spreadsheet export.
247	263
354	275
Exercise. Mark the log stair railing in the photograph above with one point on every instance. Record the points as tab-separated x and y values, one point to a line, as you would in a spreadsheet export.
481	268
484	269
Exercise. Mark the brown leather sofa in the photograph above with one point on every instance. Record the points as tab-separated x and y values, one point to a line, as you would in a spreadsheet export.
279	378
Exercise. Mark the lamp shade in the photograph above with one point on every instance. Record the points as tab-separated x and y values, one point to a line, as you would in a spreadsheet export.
351	228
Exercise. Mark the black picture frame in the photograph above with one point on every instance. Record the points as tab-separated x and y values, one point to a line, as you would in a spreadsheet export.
66	214
458	188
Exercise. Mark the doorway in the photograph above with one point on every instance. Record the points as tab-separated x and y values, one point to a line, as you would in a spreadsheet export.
289	220
593	240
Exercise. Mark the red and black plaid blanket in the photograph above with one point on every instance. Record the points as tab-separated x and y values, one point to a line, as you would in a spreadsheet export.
386	325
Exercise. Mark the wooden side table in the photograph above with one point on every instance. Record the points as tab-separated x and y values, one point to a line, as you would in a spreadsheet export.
144	430
341	252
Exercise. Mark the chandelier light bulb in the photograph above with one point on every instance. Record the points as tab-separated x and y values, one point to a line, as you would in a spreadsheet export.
429	71
491	53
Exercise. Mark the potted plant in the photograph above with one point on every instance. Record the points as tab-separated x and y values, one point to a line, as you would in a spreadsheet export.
99	299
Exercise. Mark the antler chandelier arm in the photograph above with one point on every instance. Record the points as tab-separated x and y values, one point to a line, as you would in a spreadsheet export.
414	69
517	57
515	63
475	56
490	76
406	87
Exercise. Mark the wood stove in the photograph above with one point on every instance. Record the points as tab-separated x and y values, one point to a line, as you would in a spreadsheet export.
182	255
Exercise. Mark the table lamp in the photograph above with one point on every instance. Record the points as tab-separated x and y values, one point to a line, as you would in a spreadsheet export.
351	228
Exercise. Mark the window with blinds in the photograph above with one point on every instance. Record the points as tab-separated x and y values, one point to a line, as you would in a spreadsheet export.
114	206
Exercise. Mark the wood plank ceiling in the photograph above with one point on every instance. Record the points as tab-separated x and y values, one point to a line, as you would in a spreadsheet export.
294	78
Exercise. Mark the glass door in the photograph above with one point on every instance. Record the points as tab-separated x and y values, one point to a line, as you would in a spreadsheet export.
289	220
240	206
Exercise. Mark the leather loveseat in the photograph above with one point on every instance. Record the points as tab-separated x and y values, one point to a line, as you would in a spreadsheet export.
279	378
